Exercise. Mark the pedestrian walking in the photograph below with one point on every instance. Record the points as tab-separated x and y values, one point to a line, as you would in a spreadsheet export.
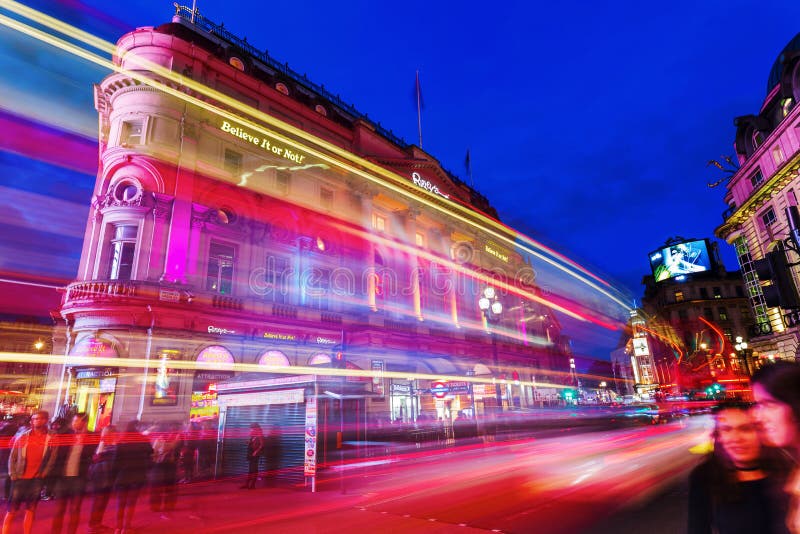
133	458
164	473
7	432
73	453
255	449
776	389
29	462
102	474
738	488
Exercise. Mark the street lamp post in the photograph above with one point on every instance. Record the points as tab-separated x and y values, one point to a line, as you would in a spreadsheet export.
741	351
491	307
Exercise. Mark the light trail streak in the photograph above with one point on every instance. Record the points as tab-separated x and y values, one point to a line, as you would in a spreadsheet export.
155	363
348	162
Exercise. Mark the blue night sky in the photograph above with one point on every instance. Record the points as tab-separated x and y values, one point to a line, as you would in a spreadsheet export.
589	125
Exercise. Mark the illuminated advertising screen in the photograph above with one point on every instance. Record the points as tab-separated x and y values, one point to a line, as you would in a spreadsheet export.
680	259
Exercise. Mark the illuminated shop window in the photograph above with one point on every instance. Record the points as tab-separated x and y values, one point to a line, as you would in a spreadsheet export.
379	222
132	132
233	162
282	180
756	178
220	269
123	247
274	358
768	217
723	314
326	198
679	296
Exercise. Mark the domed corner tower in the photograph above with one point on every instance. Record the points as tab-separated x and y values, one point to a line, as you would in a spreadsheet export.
760	197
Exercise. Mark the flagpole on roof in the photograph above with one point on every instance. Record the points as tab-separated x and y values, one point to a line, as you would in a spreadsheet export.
419	111
468	165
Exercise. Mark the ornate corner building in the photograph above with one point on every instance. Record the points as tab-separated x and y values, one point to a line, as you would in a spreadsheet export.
244	215
760	196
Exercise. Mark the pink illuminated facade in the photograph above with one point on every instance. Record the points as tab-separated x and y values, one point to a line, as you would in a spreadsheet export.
243	215
758	194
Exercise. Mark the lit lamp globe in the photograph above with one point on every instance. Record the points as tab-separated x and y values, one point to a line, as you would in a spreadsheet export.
484	303
497	307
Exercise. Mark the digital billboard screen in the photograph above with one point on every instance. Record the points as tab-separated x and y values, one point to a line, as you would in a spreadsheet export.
679	259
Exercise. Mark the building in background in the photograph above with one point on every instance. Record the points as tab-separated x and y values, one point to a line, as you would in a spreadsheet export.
760	195
243	215
691	330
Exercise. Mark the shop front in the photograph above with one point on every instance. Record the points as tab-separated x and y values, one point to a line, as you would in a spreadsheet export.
92	388
306	419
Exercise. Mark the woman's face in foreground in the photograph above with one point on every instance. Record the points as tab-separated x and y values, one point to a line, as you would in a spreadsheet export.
778	426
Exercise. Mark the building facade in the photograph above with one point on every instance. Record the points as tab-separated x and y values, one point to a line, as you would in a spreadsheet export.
758	194
246	219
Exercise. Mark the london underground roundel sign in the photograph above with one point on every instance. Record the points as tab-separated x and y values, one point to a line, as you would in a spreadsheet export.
439	389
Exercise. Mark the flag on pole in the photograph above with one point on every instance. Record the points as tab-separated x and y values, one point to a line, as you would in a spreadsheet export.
418	91
468	168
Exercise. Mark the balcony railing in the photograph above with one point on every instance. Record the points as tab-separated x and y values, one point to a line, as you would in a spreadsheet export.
98	289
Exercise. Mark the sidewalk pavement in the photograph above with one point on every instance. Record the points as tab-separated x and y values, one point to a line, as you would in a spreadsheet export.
215	506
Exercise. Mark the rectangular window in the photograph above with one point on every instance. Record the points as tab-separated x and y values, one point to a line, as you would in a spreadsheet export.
708	313
777	155
739	292
318	288
326	198
717	292
123	247
233	162
756	178
768	217
419	239
723	314
219	277
679	296
379	222
703	293
132	132
282	179
277	279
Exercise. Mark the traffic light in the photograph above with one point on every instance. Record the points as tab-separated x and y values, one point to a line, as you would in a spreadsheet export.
774	268
338	361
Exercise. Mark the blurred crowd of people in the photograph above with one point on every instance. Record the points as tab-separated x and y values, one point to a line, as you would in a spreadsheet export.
62	460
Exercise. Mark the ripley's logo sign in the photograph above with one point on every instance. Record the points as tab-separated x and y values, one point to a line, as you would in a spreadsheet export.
425	184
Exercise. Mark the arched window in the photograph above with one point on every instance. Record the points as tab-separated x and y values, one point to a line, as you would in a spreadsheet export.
274	358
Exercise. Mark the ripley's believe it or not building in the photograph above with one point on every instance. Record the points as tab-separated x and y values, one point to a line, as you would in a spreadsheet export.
245	219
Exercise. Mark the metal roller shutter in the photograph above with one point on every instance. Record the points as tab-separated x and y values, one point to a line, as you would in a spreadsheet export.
286	421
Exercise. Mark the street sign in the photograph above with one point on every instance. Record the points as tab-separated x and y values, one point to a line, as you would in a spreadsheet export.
439	389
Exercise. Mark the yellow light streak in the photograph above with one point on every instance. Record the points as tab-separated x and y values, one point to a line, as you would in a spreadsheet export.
155	363
395	182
